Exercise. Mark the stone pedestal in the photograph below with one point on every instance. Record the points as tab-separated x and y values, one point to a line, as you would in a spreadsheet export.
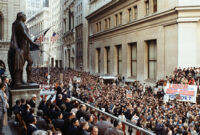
25	94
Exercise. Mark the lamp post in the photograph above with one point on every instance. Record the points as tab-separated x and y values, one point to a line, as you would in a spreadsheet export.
49	76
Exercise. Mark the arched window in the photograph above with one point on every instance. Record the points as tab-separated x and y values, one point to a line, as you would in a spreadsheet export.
1	26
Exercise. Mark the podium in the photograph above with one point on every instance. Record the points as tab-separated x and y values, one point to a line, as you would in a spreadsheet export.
27	94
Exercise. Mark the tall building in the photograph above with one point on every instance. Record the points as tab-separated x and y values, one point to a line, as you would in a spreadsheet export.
68	34
34	6
37	25
81	34
8	13
143	39
55	7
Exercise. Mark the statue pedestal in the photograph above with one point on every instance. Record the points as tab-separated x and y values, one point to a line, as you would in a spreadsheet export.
25	94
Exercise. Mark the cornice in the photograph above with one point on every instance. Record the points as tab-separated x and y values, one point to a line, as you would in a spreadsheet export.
105	7
187	8
137	22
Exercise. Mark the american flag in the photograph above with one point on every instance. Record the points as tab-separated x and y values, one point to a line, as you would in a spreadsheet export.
54	37
41	38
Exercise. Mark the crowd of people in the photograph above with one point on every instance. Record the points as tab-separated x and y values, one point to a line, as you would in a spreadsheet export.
145	109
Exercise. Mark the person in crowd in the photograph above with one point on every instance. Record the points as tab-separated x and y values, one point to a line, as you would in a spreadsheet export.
81	112
74	127
116	130
89	118
41	122
8	95
7	83
75	109
59	100
58	90
32	101
84	126
68	104
23	105
103	125
68	121
43	105
5	120
27	114
94	130
40	132
3	108
32	126
17	108
59	122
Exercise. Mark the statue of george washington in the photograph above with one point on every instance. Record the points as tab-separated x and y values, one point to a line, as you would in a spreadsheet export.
19	52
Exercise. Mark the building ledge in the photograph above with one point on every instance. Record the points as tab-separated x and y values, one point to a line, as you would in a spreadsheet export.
136	22
69	33
150	81
98	11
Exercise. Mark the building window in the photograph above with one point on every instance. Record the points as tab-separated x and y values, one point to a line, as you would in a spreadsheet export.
152	59
129	14
105	24
98	60
109	23
154	6
116	20
81	18
135	12
107	55
133	58
97	27
147	7
1	27
119	59
120	18
65	26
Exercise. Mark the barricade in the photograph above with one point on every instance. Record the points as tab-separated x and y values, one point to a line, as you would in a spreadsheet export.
128	124
136	130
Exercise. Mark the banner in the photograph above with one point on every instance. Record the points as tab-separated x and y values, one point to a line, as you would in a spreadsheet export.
180	92
129	94
61	77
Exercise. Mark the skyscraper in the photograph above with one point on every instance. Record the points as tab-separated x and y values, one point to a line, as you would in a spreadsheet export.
34	6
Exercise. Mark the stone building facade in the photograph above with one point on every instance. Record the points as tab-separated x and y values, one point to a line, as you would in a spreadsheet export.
8	13
81	34
37	25
144	39
34	6
55	7
69	34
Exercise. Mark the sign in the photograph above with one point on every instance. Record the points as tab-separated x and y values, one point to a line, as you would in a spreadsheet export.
78	79
75	78
61	77
129	94
180	92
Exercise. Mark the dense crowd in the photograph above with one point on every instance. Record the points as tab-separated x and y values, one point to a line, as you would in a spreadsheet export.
146	109
189	76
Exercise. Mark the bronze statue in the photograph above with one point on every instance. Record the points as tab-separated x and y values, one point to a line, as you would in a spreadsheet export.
19	52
